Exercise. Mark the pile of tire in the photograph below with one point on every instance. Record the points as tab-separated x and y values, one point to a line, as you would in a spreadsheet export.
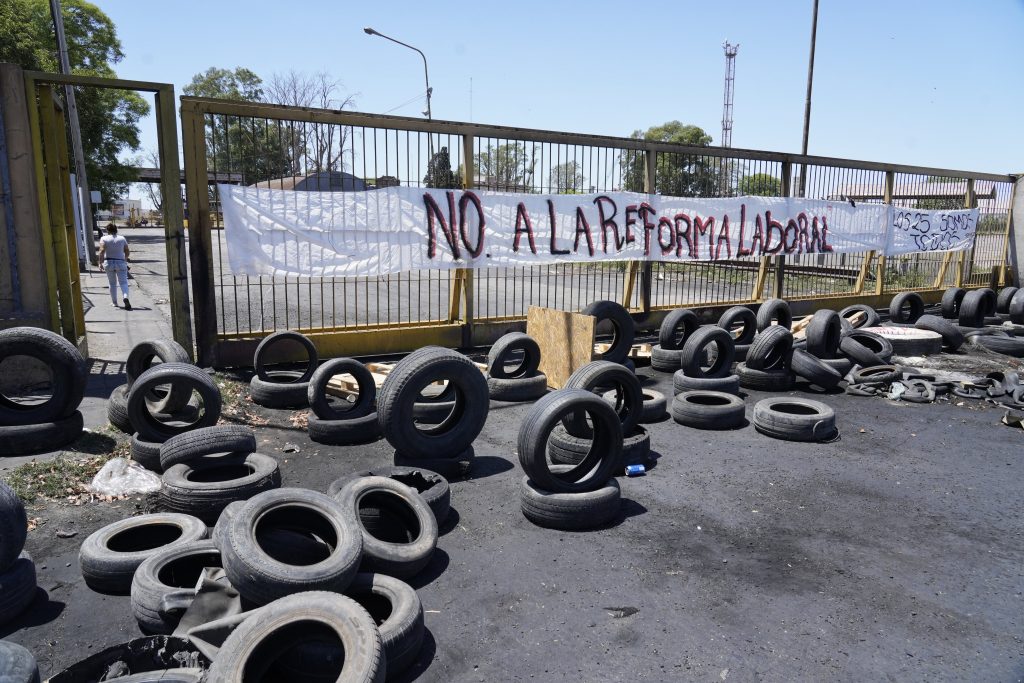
172	400
17	570
769	358
343	423
282	388
577	496
706	361
515	382
572	439
301	562
825	358
675	329
205	470
28	427
441	440
623	331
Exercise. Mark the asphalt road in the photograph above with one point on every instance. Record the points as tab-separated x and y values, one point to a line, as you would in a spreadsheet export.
894	553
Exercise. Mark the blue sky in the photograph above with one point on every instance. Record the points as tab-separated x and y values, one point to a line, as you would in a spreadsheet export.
926	83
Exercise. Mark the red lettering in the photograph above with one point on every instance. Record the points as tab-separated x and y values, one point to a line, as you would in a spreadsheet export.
447	227
523	225
583	228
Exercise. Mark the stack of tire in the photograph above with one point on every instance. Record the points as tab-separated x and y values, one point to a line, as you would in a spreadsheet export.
675	329
820	362
573	439
570	496
343	423
205	470
17	571
623	331
741	323
706	390
282	388
521	382
445	444
51	424
170	400
769	358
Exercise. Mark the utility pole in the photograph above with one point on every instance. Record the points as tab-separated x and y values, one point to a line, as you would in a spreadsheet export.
84	197
730	78
807	104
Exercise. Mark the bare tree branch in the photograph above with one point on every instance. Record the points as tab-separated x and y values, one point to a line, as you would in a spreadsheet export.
316	147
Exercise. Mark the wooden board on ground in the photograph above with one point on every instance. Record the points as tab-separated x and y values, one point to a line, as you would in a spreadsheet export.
641	350
566	341
799	328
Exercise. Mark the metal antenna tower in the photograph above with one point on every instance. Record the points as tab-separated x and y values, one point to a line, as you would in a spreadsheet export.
730	77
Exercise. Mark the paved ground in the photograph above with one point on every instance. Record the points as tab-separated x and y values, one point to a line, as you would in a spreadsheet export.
893	553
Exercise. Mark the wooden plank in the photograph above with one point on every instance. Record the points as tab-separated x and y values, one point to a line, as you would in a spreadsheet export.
799	328
566	341
642	350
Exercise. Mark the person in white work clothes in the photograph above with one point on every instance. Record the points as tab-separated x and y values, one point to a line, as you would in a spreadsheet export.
113	258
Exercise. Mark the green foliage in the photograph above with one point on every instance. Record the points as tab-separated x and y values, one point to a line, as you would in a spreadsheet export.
259	149
678	175
439	171
566	178
108	118
759	185
507	168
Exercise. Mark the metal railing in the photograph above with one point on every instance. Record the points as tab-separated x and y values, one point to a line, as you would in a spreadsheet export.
296	148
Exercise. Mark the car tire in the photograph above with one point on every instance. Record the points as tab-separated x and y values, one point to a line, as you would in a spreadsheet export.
906	307
238	439
795	419
824	333
164	585
665	360
952	298
566	449
884	374
780	379
431	486
69	374
695	352
117	410
598	375
676	328
812	369
625	331
141	358
283	391
146	453
871	317
708	410
570	511
504	347
952	337
453	467
743	316
316	390
148	426
365	429
771	349
682	382
19	587
866	348
774	312
517	389
271	340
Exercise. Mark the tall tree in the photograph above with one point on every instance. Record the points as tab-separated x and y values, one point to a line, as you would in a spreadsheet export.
679	175
439	171
109	119
506	167
320	145
566	178
257	148
759	185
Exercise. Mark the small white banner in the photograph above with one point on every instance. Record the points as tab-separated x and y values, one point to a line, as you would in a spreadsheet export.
336	234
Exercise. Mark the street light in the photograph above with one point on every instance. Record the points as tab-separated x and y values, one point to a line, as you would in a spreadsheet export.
371	32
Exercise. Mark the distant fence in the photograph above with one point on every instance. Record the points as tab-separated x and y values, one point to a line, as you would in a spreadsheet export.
302	149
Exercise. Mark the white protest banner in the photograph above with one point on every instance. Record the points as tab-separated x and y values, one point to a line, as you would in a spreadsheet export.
336	234
914	230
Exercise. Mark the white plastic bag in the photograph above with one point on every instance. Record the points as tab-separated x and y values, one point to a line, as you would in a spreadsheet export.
121	477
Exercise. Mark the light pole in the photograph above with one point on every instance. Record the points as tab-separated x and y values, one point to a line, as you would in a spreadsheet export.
807	103
426	76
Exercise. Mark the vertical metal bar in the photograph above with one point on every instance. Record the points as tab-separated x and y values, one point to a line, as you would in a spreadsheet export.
961	266
70	241
890	181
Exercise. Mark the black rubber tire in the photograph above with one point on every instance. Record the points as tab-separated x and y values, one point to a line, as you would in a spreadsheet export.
109	569
871	317
664	360
951	300
654	408
433	412
13	526
141	358
977	305
164	585
1017	308
866	348
176	675
741	352
566	449
261	578
518	389
458	465
403	555
682	382
146	453
238	439
365	429
294	545
206	497
17	665
952	337
1004	298
625	330
824	333
279	394
431	486
402	630
498	356
361	640
912	302
772	310
570	511
812	369
771	349
708	410
765	380
69	375
885	374
841	365
151	429
676	328
316	390
799	420
597	376
694	352
277	337
18	582
740	315
535	430
117	410
1009	346
401	391
42	437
